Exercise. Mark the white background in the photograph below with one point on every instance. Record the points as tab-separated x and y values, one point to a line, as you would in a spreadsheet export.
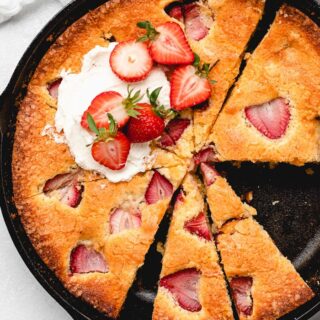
21	297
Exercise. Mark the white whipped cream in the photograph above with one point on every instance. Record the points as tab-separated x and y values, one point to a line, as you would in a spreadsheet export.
75	94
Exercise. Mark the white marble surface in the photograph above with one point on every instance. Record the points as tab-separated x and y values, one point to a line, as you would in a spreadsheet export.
21	296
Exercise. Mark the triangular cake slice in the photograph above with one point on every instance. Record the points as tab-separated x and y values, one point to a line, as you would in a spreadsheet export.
264	284
273	112
192	284
223	202
218	31
97	247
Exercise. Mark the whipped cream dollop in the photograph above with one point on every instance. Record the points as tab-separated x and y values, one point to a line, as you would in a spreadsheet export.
75	94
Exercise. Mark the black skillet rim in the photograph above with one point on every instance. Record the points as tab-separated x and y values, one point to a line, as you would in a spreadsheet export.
14	91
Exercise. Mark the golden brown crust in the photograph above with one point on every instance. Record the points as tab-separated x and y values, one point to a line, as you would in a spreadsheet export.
247	250
55	229
234	23
225	204
199	254
286	64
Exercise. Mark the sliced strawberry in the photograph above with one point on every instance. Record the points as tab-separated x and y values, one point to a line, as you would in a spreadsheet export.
188	88
84	260
171	46
241	294
53	88
209	173
176	13
104	103
112	153
146	126
197	24
205	155
121	220
67	187
270	118
131	61
158	189
199	226
179	198
174	131
183	285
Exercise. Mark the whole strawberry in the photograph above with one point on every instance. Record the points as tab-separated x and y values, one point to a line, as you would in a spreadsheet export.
149	124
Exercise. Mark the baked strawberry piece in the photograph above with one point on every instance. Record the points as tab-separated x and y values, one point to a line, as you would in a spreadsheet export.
224	203
168	43
122	219
257	272
131	61
268	117
53	88
191	282
173	131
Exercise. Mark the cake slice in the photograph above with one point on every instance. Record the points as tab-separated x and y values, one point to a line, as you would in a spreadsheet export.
264	284
218	31
96	248
273	112
191	285
223	202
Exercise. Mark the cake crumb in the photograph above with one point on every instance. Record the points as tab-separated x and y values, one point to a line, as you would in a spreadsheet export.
160	247
249	196
275	202
309	171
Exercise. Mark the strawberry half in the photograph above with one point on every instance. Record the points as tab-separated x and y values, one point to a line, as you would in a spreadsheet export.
188	88
168	43
199	226
158	189
67	187
111	102
113	152
53	88
209	173
270	118
84	260
121	220
241	294
183	285
173	132
131	61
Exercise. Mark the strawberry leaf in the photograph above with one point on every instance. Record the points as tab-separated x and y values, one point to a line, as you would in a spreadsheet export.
130	103
92	125
151	34
113	126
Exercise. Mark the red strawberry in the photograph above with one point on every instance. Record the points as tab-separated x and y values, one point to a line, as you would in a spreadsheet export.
199	226
104	103
113	152
270	118
131	61
85	260
158	189
146	126
179	199
174	131
188	88
183	285
205	155
53	88
241	294
168	43
68	188
176	13
197	24
209	173
124	219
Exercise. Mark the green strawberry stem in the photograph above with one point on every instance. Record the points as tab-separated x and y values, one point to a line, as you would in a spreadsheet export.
151	32
102	133
130	103
203	69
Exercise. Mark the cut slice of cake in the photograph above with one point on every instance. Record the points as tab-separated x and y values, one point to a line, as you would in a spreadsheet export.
96	248
192	284
223	202
273	112
264	284
218	31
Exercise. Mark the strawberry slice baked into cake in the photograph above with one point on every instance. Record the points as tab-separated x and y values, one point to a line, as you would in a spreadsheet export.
115	118
191	284
273	112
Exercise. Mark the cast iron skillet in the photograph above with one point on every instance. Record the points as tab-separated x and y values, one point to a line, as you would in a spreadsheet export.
287	199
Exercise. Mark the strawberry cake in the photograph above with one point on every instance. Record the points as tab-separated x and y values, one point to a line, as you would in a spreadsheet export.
112	124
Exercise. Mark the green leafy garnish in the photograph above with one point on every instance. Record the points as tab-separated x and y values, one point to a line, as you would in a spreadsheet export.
130	103
113	127
102	133
204	69
151	32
